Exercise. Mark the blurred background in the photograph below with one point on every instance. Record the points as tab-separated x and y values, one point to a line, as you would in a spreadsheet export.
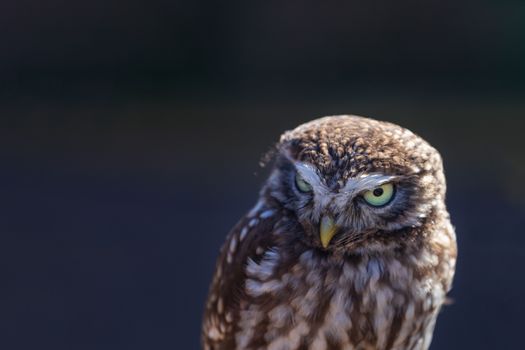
131	133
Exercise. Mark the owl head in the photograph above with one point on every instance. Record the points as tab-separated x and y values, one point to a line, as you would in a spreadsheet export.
356	184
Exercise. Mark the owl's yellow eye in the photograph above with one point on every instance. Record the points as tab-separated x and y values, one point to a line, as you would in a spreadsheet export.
301	184
379	196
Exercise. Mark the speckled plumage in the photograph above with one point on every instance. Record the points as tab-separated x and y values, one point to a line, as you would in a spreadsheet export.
382	279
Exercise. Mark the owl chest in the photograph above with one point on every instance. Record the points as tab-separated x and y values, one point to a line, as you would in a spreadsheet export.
370	305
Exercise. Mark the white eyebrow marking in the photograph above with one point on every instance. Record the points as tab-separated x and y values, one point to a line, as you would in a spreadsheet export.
366	182
353	185
359	184
323	194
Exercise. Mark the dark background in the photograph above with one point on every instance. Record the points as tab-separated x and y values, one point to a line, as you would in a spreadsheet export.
131	133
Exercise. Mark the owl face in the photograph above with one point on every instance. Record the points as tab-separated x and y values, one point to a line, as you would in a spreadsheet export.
356	184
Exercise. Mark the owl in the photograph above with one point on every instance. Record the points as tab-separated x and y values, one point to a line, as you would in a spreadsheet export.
349	245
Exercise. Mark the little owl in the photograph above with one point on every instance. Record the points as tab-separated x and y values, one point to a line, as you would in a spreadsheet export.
349	246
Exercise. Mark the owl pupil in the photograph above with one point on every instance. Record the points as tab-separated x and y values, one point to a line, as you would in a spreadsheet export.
378	192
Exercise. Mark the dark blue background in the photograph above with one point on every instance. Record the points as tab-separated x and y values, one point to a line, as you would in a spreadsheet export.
131	134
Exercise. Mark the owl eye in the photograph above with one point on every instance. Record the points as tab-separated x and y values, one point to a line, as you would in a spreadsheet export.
301	184
379	196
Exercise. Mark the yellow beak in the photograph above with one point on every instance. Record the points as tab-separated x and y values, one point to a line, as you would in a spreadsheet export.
327	230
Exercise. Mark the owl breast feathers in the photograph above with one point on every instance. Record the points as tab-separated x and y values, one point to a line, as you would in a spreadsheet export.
349	246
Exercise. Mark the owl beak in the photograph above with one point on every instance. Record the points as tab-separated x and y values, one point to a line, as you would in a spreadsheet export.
327	230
